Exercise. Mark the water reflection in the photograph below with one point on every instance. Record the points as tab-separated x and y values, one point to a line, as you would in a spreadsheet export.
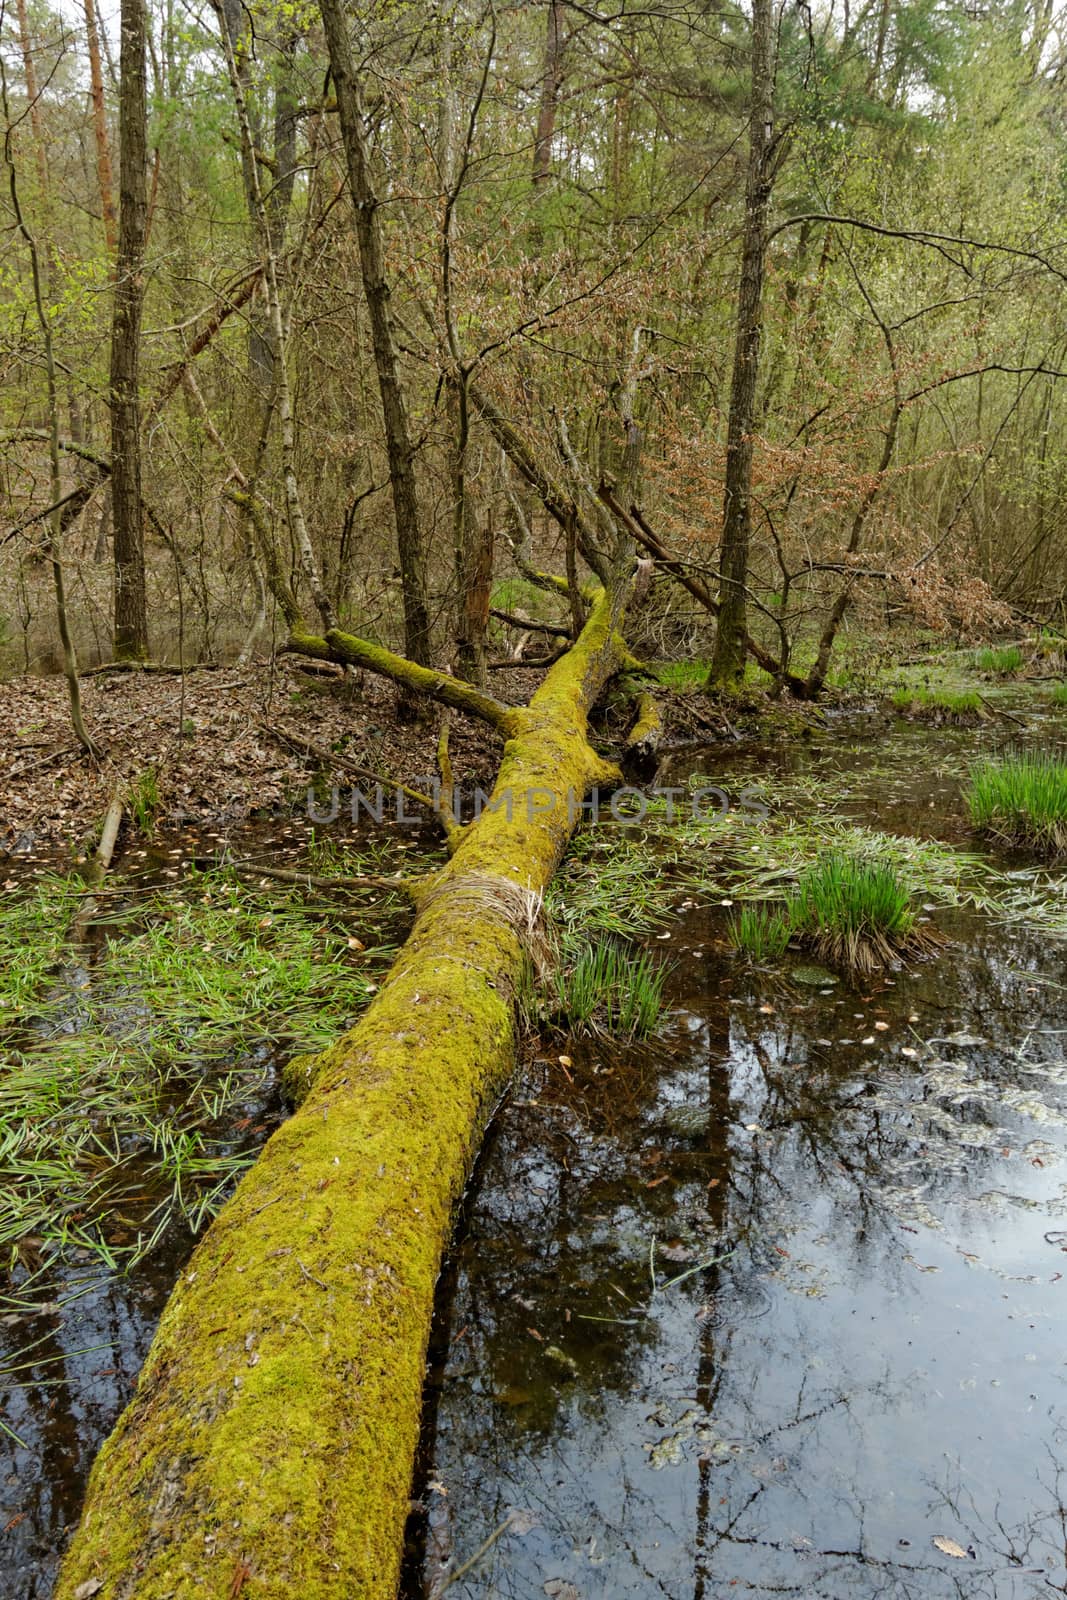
871	1359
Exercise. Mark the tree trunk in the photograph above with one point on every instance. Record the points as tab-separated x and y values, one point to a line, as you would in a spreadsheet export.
472	548
131	617
551	83
728	660
410	548
55	519
274	1427
34	99
368	229
103	145
278	324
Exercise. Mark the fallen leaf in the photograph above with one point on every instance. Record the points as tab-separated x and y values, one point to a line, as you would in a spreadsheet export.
949	1547
560	1589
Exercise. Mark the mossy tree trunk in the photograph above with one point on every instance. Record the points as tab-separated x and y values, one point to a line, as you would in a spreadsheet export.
269	1446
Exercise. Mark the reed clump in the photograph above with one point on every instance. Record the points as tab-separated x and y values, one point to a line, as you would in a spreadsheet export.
846	911
1021	800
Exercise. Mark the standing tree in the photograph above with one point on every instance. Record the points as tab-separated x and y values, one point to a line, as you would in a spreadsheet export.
103	147
131	615
728	661
376	289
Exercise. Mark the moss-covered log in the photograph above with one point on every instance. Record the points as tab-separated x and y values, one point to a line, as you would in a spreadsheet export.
268	1448
643	739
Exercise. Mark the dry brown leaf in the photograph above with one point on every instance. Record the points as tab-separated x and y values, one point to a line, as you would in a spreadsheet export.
949	1547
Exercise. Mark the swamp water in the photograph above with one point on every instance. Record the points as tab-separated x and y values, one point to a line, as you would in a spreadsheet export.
776	1303
763	1305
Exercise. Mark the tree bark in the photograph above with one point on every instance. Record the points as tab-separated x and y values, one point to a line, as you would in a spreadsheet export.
131	615
274	1427
551	84
728	659
103	144
278	324
376	289
61	505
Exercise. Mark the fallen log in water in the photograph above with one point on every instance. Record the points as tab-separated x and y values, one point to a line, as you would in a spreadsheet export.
268	1448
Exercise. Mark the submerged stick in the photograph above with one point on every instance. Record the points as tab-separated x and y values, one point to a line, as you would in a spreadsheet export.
100	864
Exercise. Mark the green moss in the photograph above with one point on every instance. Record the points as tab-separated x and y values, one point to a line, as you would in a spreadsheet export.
648	725
346	647
275	1422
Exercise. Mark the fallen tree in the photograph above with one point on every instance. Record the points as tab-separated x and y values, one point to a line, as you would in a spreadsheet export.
268	1448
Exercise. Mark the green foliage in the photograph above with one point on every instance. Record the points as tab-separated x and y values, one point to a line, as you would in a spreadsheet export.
1022	799
122	1084
761	932
144	801
1002	662
607	988
682	676
1059	695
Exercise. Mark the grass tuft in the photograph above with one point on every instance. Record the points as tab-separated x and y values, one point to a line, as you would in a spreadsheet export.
761	932
1059	695
145	801
1022	800
606	988
857	914
941	705
1003	662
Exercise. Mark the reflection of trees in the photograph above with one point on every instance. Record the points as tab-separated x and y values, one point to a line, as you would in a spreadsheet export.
66	1372
588	1166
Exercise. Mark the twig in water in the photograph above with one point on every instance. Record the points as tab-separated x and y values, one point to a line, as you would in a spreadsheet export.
472	1561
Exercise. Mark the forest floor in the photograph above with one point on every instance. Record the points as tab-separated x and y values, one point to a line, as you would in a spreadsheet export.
223	746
